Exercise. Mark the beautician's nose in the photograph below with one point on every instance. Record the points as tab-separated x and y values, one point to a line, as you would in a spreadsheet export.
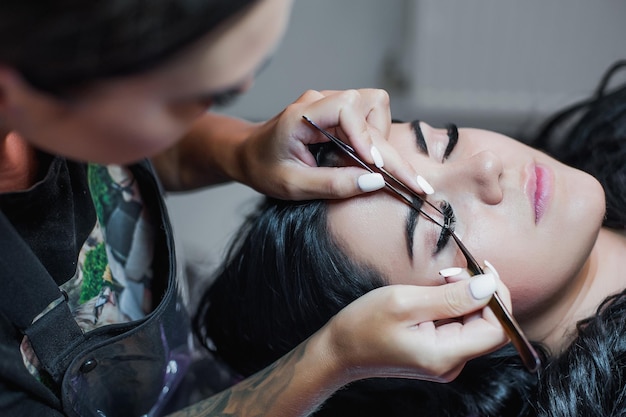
480	174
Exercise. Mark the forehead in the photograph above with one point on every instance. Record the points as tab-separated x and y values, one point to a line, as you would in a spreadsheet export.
371	229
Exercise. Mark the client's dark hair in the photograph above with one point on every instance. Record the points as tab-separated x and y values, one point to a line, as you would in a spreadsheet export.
63	44
589	377
591	135
286	277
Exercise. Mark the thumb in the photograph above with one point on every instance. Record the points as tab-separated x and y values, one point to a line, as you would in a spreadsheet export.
465	296
338	182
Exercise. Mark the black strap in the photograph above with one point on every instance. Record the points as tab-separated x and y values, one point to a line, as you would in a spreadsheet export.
27	291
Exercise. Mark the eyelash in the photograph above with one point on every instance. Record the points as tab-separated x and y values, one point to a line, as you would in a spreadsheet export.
226	98
449	219
448	214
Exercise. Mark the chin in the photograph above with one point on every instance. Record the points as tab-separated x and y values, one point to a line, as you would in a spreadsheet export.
570	246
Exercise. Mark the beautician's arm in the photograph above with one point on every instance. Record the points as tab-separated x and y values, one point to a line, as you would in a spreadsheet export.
207	155
273	158
389	332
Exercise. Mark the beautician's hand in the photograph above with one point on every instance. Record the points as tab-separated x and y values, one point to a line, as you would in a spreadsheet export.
278	163
411	332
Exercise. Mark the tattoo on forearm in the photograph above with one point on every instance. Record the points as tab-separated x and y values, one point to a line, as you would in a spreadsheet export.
253	397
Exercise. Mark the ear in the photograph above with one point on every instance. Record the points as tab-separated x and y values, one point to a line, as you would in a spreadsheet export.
18	99
12	86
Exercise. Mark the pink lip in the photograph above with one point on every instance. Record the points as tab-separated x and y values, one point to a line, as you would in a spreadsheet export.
539	189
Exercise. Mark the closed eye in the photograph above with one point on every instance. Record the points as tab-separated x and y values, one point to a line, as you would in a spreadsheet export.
449	222
448	214
453	138
422	145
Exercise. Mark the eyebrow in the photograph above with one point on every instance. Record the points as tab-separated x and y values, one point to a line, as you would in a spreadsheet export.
411	222
413	214
453	138
225	97
419	137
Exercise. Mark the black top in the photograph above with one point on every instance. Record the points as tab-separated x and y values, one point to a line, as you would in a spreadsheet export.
86	227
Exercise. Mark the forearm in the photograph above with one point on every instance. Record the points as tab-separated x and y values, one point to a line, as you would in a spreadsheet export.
207	155
293	386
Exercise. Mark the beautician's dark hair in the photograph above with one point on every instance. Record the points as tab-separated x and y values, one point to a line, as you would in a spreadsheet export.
63	44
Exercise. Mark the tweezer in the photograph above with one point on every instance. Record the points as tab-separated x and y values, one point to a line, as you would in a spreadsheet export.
527	352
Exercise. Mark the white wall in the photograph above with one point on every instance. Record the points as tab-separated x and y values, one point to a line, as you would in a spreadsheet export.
496	64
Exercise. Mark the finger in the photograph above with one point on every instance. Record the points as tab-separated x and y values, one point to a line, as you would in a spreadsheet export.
400	168
347	111
455	299
503	290
365	128
471	338
375	105
454	274
333	182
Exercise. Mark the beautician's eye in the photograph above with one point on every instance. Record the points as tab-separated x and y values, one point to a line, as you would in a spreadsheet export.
449	221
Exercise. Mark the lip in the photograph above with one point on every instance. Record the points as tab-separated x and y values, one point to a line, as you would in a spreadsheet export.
538	188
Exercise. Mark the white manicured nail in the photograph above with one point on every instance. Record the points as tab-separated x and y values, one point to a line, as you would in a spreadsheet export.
450	272
428	189
370	182
482	286
377	157
492	268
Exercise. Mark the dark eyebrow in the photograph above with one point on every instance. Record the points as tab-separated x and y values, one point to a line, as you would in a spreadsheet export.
413	214
419	137
225	97
453	138
412	217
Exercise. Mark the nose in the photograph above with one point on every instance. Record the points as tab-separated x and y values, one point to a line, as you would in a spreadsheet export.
480	175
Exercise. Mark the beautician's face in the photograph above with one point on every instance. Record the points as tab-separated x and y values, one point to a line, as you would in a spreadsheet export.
126	119
532	217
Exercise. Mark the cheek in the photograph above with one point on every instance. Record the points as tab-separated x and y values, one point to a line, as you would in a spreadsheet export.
133	136
536	265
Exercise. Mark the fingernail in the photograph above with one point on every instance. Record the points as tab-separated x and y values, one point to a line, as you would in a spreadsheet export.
428	189
377	157
450	272
370	182
482	286
492	268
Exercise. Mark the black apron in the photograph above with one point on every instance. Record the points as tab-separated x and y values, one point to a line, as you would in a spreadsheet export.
128	369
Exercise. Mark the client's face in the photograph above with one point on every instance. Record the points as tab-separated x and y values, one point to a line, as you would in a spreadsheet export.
532	217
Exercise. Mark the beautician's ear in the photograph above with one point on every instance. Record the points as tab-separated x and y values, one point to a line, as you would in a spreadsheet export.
11	83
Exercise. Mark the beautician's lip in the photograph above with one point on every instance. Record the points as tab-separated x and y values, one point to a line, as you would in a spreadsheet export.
538	188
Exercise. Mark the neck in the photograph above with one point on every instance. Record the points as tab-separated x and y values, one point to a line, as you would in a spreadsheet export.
601	276
18	163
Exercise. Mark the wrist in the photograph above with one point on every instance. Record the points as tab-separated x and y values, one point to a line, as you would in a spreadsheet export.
232	159
333	356
321	364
